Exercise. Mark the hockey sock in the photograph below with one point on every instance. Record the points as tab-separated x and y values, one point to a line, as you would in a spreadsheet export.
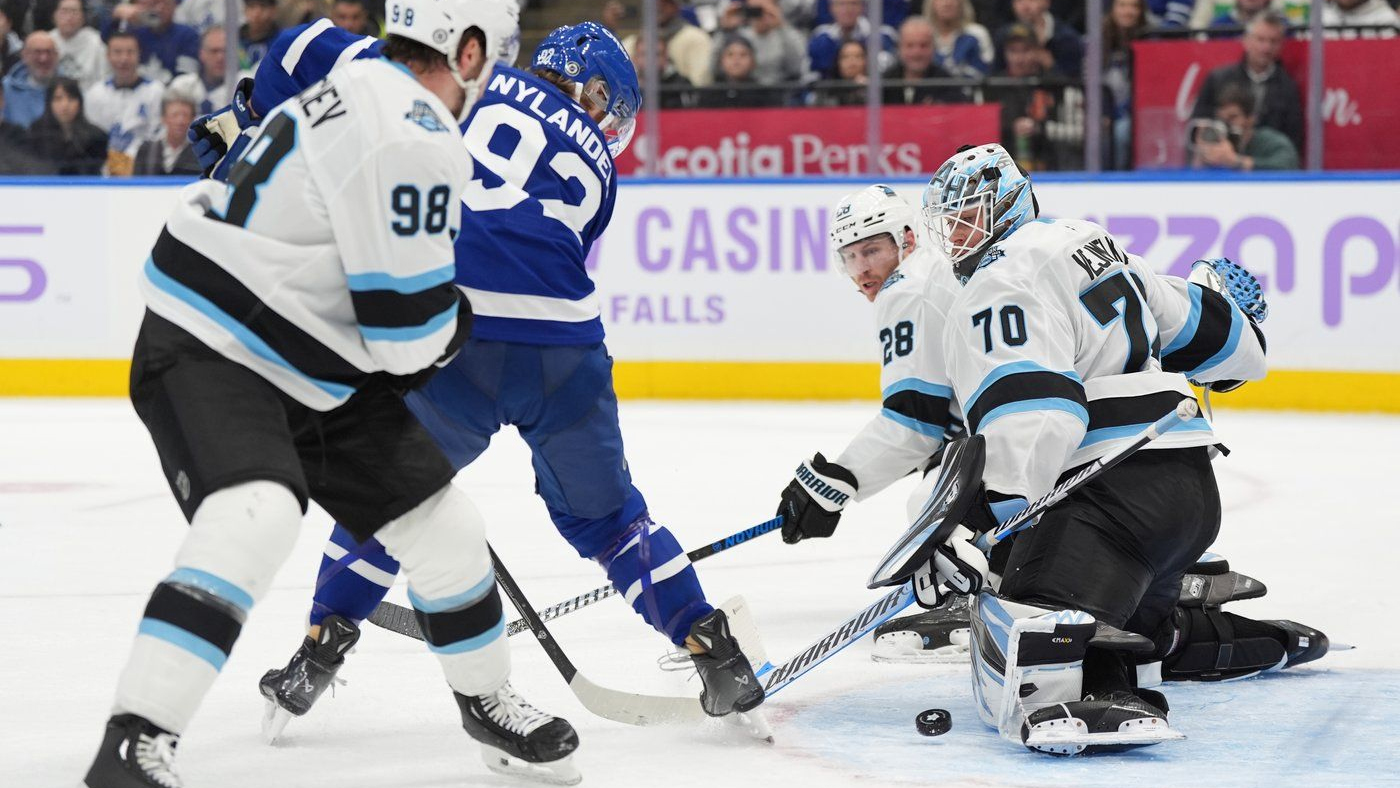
442	546
353	578
236	542
650	569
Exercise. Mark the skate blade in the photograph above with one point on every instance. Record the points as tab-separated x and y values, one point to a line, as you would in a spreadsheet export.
1069	737
753	723
275	719
907	648
560	772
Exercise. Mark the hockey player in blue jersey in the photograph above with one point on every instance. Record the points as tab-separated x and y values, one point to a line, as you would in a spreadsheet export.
542	142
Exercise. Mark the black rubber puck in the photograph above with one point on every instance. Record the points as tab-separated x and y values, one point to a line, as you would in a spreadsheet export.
933	722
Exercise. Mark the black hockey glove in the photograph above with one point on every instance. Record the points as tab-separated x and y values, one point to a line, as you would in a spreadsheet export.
813	500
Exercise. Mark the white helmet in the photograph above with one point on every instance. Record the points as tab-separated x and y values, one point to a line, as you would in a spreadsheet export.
874	210
440	24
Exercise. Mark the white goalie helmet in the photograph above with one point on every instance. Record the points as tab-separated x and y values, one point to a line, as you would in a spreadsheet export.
440	24
874	210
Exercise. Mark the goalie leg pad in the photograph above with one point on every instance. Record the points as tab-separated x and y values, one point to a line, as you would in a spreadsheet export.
1025	658
441	544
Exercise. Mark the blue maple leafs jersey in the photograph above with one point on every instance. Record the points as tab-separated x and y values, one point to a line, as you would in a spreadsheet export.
541	193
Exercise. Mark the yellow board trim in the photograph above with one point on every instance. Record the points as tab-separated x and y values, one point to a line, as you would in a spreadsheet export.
1363	392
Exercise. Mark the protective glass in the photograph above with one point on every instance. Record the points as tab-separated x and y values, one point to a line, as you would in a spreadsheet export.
962	225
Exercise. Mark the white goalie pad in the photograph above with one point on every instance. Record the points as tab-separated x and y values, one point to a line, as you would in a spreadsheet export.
1025	658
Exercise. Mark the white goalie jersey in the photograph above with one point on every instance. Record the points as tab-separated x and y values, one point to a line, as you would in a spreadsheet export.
1056	347
916	412
328	256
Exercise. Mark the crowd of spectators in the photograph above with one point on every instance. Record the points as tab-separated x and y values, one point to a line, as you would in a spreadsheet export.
95	87
1028	55
134	74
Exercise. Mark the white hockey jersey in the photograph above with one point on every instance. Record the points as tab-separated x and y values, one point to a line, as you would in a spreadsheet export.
328	255
916	413
130	116
1055	346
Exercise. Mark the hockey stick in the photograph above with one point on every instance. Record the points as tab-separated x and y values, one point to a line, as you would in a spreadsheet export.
400	619
626	707
776	677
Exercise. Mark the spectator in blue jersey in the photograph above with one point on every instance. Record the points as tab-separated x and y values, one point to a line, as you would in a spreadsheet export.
257	33
848	23
961	47
893	12
27	84
16	157
1061	48
167	48
351	16
64	137
207	89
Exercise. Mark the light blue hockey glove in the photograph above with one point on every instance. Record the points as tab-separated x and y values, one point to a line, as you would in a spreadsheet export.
1230	278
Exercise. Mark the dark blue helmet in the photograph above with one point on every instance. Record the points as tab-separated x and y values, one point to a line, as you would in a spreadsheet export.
591	55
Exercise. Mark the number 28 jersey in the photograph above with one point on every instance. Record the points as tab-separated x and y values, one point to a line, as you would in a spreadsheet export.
542	191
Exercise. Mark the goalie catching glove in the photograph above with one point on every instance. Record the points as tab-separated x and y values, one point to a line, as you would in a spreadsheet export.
218	138
812	502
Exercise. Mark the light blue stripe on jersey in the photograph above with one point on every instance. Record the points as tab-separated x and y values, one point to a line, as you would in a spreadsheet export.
1014	368
240	332
401	284
213	584
915	384
1236	325
457	601
184	639
410	333
472	643
1102	434
1031	405
1193	321
931	430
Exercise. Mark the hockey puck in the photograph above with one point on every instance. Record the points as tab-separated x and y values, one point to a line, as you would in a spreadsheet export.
933	722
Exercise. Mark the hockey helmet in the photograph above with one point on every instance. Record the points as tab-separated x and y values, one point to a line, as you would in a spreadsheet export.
591	56
440	25
872	211
976	198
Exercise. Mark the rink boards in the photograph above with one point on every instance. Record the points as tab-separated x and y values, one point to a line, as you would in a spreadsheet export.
727	289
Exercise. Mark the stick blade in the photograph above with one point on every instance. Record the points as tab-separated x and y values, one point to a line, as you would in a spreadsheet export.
632	708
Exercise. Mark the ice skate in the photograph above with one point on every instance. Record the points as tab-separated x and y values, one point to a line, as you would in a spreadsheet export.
1119	721
518	739
940	635
134	754
1305	644
291	691
730	684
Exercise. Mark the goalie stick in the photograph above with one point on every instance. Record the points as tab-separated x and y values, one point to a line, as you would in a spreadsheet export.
625	707
400	619
776	677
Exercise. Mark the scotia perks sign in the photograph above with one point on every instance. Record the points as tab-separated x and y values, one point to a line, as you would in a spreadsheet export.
1360	104
812	141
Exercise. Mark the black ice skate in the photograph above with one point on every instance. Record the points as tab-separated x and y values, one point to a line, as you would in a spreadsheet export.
519	739
933	636
1116	722
1304	644
291	691
730	685
134	754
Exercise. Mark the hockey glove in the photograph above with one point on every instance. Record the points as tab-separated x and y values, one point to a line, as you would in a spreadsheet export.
957	567
218	138
812	502
1233	281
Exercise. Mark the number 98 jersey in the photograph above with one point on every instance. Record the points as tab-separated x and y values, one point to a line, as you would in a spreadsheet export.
1055	346
541	193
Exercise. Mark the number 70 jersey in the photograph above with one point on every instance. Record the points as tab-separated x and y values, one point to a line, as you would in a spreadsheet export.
542	191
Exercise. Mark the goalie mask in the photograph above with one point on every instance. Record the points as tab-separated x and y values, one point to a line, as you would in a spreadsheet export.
978	197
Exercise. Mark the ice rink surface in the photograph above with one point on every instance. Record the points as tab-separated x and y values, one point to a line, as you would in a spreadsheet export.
87	527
